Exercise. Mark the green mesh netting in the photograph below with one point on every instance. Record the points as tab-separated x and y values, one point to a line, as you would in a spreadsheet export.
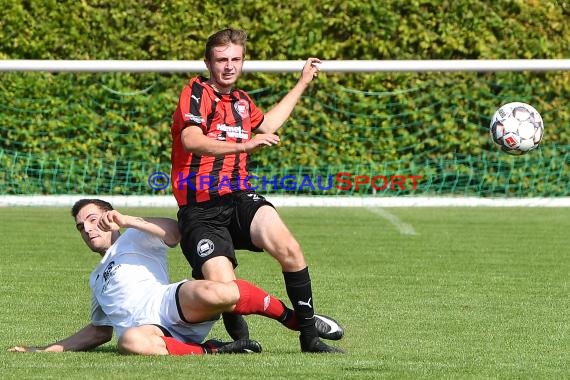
107	133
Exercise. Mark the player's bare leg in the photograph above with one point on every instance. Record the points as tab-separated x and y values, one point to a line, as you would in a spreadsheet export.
143	340
205	300
221	269
270	233
150	340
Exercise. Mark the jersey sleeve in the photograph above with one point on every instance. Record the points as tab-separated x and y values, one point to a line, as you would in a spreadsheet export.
256	115
98	316
145	241
192	107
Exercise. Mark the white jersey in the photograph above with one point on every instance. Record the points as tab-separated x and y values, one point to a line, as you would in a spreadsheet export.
130	287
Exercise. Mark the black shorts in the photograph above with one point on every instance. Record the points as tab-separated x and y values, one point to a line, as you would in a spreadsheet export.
218	227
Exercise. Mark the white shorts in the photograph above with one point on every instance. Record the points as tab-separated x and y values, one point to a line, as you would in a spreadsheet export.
162	309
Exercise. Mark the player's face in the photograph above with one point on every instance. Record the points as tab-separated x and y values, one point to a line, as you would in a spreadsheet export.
225	65
86	223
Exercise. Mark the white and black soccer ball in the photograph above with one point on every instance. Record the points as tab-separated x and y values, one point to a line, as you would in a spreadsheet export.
517	128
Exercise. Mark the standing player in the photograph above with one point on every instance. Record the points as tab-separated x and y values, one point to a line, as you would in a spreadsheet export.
212	137
131	293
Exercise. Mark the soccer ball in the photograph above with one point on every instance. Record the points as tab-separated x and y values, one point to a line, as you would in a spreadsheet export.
517	128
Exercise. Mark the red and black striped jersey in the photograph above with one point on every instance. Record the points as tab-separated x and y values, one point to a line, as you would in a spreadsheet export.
224	117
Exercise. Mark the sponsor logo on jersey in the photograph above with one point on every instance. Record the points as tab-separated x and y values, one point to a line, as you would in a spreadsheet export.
242	108
235	132
108	273
194	118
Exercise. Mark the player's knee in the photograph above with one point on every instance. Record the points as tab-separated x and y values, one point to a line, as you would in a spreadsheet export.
132	342
224	294
217	295
290	255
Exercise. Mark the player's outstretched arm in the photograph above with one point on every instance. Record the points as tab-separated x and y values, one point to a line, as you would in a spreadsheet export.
276	117
85	339
164	228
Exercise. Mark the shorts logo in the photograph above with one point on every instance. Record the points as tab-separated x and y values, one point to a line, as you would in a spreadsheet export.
205	247
254	197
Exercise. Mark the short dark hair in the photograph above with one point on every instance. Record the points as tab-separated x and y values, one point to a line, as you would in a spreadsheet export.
225	37
103	205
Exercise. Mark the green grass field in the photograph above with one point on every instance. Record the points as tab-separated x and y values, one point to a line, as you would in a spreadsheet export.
458	293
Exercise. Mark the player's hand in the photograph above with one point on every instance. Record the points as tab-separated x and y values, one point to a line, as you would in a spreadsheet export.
261	140
25	349
111	221
310	69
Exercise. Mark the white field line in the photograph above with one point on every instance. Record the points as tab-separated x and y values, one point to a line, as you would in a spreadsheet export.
403	227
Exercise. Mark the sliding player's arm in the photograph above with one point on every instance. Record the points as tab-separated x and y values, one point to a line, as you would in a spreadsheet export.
164	228
85	339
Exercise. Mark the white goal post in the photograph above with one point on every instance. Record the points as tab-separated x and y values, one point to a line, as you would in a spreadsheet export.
342	66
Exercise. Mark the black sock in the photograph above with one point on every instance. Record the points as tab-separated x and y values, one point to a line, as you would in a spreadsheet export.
287	318
236	326
298	285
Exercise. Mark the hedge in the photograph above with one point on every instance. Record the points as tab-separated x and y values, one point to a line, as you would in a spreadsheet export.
77	117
